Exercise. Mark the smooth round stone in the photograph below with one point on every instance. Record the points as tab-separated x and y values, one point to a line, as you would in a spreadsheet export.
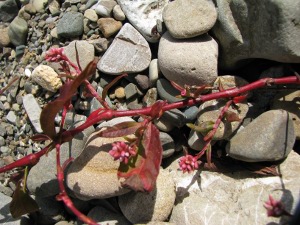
191	113
189	18
70	25
166	91
17	31
118	13
91	15
175	116
191	61
104	7
153	72
109	26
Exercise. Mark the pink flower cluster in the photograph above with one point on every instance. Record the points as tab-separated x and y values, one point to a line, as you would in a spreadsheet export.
55	55
121	151
188	163
275	208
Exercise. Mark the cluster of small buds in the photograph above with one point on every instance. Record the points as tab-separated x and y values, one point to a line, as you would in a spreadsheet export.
55	55
188	163
275	208
122	151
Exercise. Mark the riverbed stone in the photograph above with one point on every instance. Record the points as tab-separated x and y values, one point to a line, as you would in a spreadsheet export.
269	137
17	31
190	61
70	25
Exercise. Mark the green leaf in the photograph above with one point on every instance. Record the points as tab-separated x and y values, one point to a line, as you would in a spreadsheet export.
203	128
22	203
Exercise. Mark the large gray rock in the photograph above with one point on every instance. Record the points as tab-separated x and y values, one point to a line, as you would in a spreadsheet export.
33	110
8	10
257	29
70	25
234	198
190	61
143	15
189	18
129	53
269	137
17	31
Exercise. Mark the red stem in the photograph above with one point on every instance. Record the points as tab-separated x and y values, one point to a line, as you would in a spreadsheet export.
63	194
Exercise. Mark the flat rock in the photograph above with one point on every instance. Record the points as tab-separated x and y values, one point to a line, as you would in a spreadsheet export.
243	27
143	15
128	53
70	25
17	31
190	61
233	198
140	207
4	38
189	18
109	26
86	52
269	137
33	111
93	175
46	77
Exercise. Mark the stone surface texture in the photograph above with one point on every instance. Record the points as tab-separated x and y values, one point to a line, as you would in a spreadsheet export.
128	53
233	198
269	137
190	61
272	36
140	207
189	18
143	15
46	77
93	175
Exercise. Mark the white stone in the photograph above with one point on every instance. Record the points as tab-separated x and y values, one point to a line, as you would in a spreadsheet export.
33	111
143	14
46	77
91	15
129	53
233	198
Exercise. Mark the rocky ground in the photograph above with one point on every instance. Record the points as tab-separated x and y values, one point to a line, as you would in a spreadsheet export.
192	42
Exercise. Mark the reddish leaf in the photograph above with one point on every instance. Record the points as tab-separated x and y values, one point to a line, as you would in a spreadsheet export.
142	170
22	203
40	137
121	129
66	92
156	109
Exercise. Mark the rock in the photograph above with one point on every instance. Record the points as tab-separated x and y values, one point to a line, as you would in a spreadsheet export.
241	39
143	14
269	137
5	216
167	144
142	81
153	72
33	111
166	91
104	7
109	26
233	198
91	15
196	141
39	5
42	180
8	10
118	13
114	121
289	101
140	207
179	60
11	117
70	25
93	175
103	215
174	116
54	7
17	31
150	97
46	77
189	18
4	38
120	92
128	53
191	113
86	53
